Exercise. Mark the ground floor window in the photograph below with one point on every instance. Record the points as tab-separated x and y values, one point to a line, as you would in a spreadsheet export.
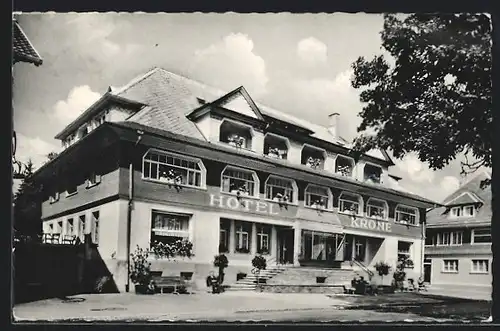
450	265
168	228
480	266
319	246
224	231
404	250
243	235
95	227
263	239
70	227
81	227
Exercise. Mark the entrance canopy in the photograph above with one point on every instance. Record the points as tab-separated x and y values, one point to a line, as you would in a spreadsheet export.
318	220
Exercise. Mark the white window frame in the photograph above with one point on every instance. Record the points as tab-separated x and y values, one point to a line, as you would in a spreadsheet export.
294	189
93	180
476	270
446	269
190	172
473	234
82	229
70	194
95	226
417	215
285	139
347	158
240	234
70	220
359	202
370	206
242	125
54	197
410	249
262	237
307	196
454	211
452	236
473	211
256	182
165	231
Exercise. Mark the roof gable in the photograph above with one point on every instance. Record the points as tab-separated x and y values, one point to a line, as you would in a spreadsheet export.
240	101
463	199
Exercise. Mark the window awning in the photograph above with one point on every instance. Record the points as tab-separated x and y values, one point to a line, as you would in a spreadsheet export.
319	220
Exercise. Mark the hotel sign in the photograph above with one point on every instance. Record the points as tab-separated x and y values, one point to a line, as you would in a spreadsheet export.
370	224
246	205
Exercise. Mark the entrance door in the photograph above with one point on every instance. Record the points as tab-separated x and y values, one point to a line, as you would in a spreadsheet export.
359	249
285	246
427	270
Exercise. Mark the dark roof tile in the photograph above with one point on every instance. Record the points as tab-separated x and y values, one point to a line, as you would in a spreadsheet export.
22	47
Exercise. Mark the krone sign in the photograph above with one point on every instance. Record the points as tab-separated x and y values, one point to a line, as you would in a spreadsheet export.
246	205
370	224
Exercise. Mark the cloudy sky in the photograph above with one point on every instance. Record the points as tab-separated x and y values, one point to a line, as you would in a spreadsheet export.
298	63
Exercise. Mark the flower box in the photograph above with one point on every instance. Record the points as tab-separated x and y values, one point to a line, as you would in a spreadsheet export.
320	279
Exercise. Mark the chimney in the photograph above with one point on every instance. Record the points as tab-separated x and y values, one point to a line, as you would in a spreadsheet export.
333	127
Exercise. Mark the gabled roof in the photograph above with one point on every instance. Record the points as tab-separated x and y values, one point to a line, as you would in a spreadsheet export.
22	47
469	192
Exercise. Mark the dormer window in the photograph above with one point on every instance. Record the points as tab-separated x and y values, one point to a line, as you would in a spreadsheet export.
235	134
275	146
312	157
462	211
72	189
93	180
239	182
344	166
350	203
372	174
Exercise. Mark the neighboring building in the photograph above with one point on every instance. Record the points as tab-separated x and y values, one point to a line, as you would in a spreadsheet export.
250	180
458	237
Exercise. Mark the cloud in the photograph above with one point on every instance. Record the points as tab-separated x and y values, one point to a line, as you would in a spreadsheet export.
417	171
312	51
230	63
449	184
79	99
34	148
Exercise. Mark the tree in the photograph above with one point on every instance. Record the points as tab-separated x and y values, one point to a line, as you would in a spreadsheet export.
436	99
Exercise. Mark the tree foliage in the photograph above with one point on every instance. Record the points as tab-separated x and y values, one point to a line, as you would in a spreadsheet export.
435	100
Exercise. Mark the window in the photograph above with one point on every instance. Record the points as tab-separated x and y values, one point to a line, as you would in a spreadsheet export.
464	211
449	238
468	211
54	197
72	189
450	266
350	203
70	230
377	208
59	227
480	266
406	215
263	239
481	236
93	179
280	189
82	227
404	249
430	240
238	181
344	166
235	134
51	228
275	146
372	173
95	227
168	228
317	197
456	211
173	169
225	229
243	231
313	157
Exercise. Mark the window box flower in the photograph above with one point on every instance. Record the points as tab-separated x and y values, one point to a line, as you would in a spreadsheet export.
276	152
344	171
313	163
236	140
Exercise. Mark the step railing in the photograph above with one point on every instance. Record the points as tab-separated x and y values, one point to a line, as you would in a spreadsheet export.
364	268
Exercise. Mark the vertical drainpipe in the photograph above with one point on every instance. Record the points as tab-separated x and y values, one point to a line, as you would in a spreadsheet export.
129	220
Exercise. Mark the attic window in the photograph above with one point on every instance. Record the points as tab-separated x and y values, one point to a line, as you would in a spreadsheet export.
275	147
236	135
344	166
372	173
462	211
312	157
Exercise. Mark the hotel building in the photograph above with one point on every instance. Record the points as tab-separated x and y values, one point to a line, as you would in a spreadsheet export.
458	237
165	157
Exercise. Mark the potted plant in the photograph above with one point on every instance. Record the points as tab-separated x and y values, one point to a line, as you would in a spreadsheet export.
140	271
221	262
259	263
236	140
313	163
400	273
383	269
344	170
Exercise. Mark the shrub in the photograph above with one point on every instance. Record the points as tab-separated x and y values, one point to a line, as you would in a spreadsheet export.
140	269
221	262
383	269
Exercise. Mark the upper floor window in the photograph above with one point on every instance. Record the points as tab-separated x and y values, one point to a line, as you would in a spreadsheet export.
173	169
54	197
344	166
481	236
71	189
281	189
462	211
449	238
372	173
317	197
93	179
275	146
313	157
234	134
168	228
350	203
240	182
406	215
376	208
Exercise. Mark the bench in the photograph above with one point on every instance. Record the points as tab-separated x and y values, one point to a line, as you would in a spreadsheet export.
169	282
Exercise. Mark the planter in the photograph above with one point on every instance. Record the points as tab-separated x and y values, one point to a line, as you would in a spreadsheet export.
240	275
320	279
